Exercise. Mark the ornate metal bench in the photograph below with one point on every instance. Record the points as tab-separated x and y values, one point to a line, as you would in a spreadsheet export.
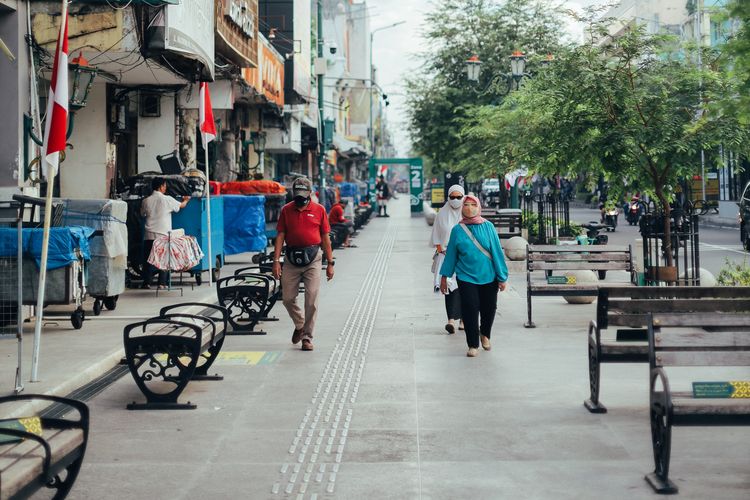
628	308
248	297
551	258
166	352
51	460
726	343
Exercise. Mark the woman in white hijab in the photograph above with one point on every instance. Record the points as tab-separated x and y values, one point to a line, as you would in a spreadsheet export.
446	219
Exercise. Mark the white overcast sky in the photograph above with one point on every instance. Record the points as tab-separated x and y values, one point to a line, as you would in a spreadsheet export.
394	51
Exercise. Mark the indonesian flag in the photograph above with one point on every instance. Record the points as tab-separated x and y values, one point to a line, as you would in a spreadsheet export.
56	126
206	119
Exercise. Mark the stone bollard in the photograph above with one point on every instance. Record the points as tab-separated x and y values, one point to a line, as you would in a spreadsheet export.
429	213
581	277
706	277
515	248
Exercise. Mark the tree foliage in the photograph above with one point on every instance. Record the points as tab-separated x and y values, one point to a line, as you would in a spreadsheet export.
440	95
635	109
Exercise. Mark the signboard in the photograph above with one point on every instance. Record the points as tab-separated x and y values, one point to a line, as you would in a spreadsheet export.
236	31
416	186
735	389
416	179
301	60
189	30
437	195
268	78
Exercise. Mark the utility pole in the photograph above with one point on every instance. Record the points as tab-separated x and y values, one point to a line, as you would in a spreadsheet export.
321	117
698	30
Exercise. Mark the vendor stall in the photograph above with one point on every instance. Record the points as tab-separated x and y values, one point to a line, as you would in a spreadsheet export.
109	247
66	279
244	224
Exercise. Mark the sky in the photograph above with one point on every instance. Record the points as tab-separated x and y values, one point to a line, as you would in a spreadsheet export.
394	52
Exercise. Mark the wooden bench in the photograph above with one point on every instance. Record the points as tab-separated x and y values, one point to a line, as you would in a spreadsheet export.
164	353
726	343
551	258
51	460
618	335
507	222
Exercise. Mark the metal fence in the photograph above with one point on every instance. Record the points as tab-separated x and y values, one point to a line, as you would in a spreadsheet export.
674	260
546	217
11	279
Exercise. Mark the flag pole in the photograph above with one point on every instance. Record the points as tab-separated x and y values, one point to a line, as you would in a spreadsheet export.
208	214
51	174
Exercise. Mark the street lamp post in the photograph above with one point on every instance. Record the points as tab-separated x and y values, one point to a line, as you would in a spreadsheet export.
370	131
513	80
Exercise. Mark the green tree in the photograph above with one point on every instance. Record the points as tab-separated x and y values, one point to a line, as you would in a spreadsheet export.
738	59
440	95
636	110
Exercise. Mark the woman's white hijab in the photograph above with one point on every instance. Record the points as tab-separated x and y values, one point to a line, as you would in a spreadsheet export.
447	218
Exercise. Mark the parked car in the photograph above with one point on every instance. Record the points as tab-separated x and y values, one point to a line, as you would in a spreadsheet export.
744	217
490	194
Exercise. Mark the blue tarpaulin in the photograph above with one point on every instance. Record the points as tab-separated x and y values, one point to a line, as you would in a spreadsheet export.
244	224
63	243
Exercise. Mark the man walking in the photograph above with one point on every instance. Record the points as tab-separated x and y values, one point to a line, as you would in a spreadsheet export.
157	210
383	192
303	226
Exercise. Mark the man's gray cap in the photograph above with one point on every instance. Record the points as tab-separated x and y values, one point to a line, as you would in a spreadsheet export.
301	186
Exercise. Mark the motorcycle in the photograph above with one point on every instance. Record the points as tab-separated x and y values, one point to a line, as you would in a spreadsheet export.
610	218
593	237
634	211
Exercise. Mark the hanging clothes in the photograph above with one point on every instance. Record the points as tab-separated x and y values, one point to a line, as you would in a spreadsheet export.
178	253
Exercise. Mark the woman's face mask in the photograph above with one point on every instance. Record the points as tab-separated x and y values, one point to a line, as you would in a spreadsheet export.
301	201
470	210
455	200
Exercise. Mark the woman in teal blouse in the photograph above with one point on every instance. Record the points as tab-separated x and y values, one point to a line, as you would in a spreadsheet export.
475	256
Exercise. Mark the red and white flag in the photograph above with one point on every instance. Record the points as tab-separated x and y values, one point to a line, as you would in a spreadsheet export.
56	126
206	119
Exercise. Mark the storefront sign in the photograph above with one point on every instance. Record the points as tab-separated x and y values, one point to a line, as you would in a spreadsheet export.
236	31
268	77
239	13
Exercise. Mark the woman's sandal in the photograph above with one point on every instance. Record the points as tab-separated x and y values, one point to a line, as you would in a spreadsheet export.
450	328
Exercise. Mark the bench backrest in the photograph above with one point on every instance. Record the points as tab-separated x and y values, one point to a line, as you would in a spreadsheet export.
507	224
630	306
579	257
723	339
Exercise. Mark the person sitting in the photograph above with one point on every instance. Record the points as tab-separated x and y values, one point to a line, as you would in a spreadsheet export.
341	223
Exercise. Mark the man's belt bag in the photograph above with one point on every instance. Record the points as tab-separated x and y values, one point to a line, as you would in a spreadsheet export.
302	256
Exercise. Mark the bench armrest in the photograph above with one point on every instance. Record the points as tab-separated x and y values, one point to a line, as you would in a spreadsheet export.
221	309
160	320
658	374
82	409
594	328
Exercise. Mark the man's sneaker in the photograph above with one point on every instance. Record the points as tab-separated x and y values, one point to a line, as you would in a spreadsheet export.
296	336
485	343
307	345
472	352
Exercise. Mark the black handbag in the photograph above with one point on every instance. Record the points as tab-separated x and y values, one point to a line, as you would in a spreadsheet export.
302	256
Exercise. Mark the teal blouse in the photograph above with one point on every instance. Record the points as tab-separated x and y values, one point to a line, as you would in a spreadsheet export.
468	263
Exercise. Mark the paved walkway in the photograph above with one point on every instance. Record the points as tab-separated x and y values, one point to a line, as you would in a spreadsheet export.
388	406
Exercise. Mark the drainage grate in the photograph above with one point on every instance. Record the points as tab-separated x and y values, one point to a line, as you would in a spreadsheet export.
86	392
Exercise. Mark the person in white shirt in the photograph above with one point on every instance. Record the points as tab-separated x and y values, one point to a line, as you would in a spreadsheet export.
157	209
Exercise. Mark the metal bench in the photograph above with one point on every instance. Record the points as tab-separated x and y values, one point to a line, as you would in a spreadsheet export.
550	258
165	353
726	343
618	335
51	460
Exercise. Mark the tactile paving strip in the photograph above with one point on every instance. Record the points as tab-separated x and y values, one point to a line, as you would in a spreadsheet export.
316	451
